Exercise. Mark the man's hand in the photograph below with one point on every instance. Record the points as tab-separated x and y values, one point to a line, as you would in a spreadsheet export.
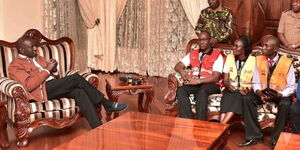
229	86
262	96
245	91
185	76
52	65
290	46
192	81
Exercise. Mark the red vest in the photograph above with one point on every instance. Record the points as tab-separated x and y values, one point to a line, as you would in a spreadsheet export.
207	63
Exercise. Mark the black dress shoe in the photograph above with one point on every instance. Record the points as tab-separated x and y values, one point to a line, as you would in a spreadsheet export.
251	142
273	144
117	107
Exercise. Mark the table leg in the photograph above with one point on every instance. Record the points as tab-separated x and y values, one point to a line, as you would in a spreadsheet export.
149	99
3	125
140	102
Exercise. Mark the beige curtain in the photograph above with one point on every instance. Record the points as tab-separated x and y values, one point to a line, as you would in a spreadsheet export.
193	8
152	36
101	38
62	18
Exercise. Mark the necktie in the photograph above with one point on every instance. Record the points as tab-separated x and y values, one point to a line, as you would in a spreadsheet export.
271	63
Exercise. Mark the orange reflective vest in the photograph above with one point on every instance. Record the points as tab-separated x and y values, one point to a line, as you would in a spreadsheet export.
278	78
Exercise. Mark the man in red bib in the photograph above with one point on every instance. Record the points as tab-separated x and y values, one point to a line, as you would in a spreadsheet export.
206	65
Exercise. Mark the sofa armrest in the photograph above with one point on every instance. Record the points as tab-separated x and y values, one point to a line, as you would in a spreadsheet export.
18	106
9	88
90	77
172	87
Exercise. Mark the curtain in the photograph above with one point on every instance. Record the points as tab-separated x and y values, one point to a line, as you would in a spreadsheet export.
193	8
152	36
62	18
101	37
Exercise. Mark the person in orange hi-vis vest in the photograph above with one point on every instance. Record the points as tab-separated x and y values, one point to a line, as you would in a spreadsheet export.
273	81
206	65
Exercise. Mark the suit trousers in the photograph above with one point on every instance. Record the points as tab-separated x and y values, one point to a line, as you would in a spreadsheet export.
252	127
86	96
295	117
201	93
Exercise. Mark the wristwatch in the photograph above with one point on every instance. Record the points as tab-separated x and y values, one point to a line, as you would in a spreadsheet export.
293	46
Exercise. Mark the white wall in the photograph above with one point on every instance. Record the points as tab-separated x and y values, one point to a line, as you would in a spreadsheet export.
17	16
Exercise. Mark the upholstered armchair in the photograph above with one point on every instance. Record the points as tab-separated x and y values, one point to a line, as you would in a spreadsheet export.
266	112
23	115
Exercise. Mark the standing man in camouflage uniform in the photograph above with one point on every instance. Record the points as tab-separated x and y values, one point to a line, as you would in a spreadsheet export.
216	20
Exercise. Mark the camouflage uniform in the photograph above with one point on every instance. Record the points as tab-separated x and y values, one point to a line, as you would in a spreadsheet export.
217	24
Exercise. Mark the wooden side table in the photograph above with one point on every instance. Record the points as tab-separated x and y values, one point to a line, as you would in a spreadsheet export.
114	90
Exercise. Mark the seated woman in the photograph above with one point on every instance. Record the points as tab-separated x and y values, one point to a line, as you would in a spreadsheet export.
237	78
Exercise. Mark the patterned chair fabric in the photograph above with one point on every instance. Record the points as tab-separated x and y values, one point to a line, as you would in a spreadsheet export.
16	97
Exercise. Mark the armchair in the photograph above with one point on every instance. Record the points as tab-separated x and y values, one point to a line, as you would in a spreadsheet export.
25	116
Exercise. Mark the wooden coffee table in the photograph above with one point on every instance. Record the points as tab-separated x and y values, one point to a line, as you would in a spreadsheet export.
114	90
288	141
135	131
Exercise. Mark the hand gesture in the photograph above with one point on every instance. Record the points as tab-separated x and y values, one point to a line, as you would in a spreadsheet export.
185	76
245	91
192	81
52	65
229	86
262	96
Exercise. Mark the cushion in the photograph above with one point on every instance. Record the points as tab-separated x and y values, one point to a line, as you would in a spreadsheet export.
51	105
56	114
53	109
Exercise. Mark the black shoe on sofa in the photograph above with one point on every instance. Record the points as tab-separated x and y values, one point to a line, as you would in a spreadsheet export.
251	142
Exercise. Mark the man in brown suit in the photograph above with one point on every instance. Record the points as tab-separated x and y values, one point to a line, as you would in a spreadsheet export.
35	74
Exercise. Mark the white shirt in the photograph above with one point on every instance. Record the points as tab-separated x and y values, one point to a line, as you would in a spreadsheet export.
217	66
290	88
39	66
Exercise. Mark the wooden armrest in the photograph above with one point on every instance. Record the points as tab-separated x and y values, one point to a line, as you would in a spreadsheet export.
19	95
172	85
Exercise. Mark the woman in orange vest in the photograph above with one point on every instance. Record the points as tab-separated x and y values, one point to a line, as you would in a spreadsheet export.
238	71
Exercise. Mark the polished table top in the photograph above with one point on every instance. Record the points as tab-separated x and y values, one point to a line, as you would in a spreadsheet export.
288	141
135	130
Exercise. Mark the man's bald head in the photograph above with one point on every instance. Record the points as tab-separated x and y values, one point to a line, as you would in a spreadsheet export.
27	46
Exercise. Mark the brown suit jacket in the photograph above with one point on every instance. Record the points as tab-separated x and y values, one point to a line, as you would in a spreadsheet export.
34	80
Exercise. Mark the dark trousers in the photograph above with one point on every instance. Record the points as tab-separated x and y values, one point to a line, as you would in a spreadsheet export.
295	117
86	96
252	127
201	93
